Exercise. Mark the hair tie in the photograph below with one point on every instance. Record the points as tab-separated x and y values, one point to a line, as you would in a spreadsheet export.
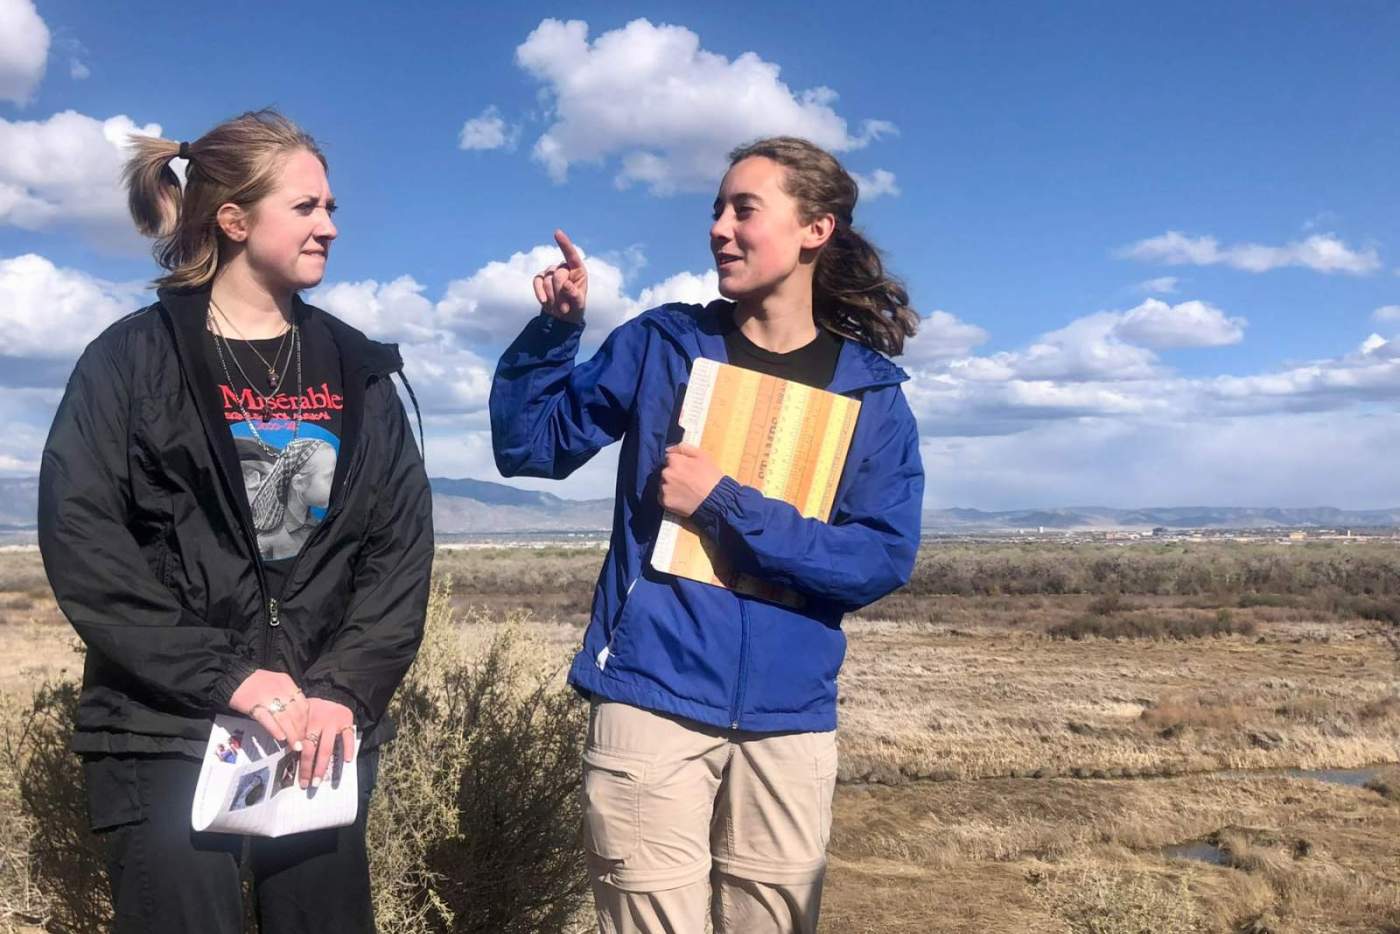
184	150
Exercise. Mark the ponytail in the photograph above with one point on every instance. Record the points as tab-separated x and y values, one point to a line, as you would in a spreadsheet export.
153	191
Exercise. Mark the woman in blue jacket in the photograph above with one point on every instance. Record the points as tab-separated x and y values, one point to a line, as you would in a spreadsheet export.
711	755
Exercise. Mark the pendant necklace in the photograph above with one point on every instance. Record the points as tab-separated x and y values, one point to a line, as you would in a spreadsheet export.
273	378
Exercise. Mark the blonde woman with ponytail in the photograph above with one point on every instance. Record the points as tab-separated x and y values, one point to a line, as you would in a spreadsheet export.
711	755
234	516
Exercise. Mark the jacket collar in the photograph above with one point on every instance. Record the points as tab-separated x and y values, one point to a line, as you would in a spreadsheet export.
700	333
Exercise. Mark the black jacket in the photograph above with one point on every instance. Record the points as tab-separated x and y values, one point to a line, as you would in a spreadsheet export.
148	540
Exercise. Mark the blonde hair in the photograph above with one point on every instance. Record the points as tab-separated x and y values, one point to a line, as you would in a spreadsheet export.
852	294
236	162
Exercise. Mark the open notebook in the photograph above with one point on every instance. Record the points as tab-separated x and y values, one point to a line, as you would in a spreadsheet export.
248	784
785	439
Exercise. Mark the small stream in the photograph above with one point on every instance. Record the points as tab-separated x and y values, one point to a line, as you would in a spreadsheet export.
1200	851
1203	851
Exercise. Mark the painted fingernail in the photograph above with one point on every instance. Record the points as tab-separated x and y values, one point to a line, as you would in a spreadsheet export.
297	745
316	782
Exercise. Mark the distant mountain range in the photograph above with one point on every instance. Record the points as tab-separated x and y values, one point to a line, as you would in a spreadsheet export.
466	507
1176	517
460	507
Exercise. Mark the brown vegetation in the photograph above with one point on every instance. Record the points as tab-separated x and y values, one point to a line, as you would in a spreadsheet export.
1025	730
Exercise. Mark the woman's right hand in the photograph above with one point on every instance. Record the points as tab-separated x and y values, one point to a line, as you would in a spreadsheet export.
562	289
273	699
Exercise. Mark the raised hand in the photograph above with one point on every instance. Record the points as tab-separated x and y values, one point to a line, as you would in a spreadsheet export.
562	289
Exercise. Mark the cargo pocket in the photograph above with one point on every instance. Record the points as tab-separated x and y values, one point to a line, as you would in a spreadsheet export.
612	799
826	788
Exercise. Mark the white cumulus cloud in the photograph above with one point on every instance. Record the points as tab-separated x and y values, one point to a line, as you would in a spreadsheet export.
684	287
1319	252
24	50
877	184
48	312
395	311
450	344
488	130
1386	313
941	336
1086	349
667	110
492	304
66	171
1160	326
1162	285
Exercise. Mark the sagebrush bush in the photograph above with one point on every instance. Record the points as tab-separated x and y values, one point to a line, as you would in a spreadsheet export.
473	827
1151	627
1164	570
54	871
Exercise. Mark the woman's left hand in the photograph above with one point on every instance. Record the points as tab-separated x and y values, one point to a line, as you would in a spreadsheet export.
326	720
687	478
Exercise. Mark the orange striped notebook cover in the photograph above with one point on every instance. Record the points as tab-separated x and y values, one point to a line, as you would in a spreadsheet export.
787	440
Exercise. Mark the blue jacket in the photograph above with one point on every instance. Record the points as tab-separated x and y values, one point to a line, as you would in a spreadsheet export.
675	645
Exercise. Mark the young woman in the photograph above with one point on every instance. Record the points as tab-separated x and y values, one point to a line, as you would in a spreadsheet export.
234	516
711	753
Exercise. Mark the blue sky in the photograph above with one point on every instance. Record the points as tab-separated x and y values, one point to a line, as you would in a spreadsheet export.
1156	246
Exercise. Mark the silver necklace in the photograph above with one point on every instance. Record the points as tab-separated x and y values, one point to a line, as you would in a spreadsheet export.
220	344
273	377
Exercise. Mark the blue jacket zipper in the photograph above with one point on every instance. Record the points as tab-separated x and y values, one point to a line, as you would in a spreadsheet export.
743	679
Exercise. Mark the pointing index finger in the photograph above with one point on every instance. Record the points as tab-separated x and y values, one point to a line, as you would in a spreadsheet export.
572	257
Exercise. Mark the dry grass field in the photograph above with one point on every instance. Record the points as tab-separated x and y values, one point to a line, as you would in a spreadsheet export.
1035	737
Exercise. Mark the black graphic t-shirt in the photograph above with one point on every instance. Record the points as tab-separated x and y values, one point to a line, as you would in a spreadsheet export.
813	364
287	470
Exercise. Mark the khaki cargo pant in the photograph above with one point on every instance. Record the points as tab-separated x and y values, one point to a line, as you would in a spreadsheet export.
684	821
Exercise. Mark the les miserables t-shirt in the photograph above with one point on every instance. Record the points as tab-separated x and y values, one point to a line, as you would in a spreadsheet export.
287	476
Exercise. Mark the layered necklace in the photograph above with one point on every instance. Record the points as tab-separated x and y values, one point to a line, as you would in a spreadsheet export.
291	339
273	377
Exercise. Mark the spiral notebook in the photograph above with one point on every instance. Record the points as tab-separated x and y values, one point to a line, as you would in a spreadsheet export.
785	439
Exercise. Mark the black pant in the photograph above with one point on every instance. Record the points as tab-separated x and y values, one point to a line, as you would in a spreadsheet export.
167	878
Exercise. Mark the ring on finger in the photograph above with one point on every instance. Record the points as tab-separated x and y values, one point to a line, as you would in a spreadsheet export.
314	735
254	709
275	706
